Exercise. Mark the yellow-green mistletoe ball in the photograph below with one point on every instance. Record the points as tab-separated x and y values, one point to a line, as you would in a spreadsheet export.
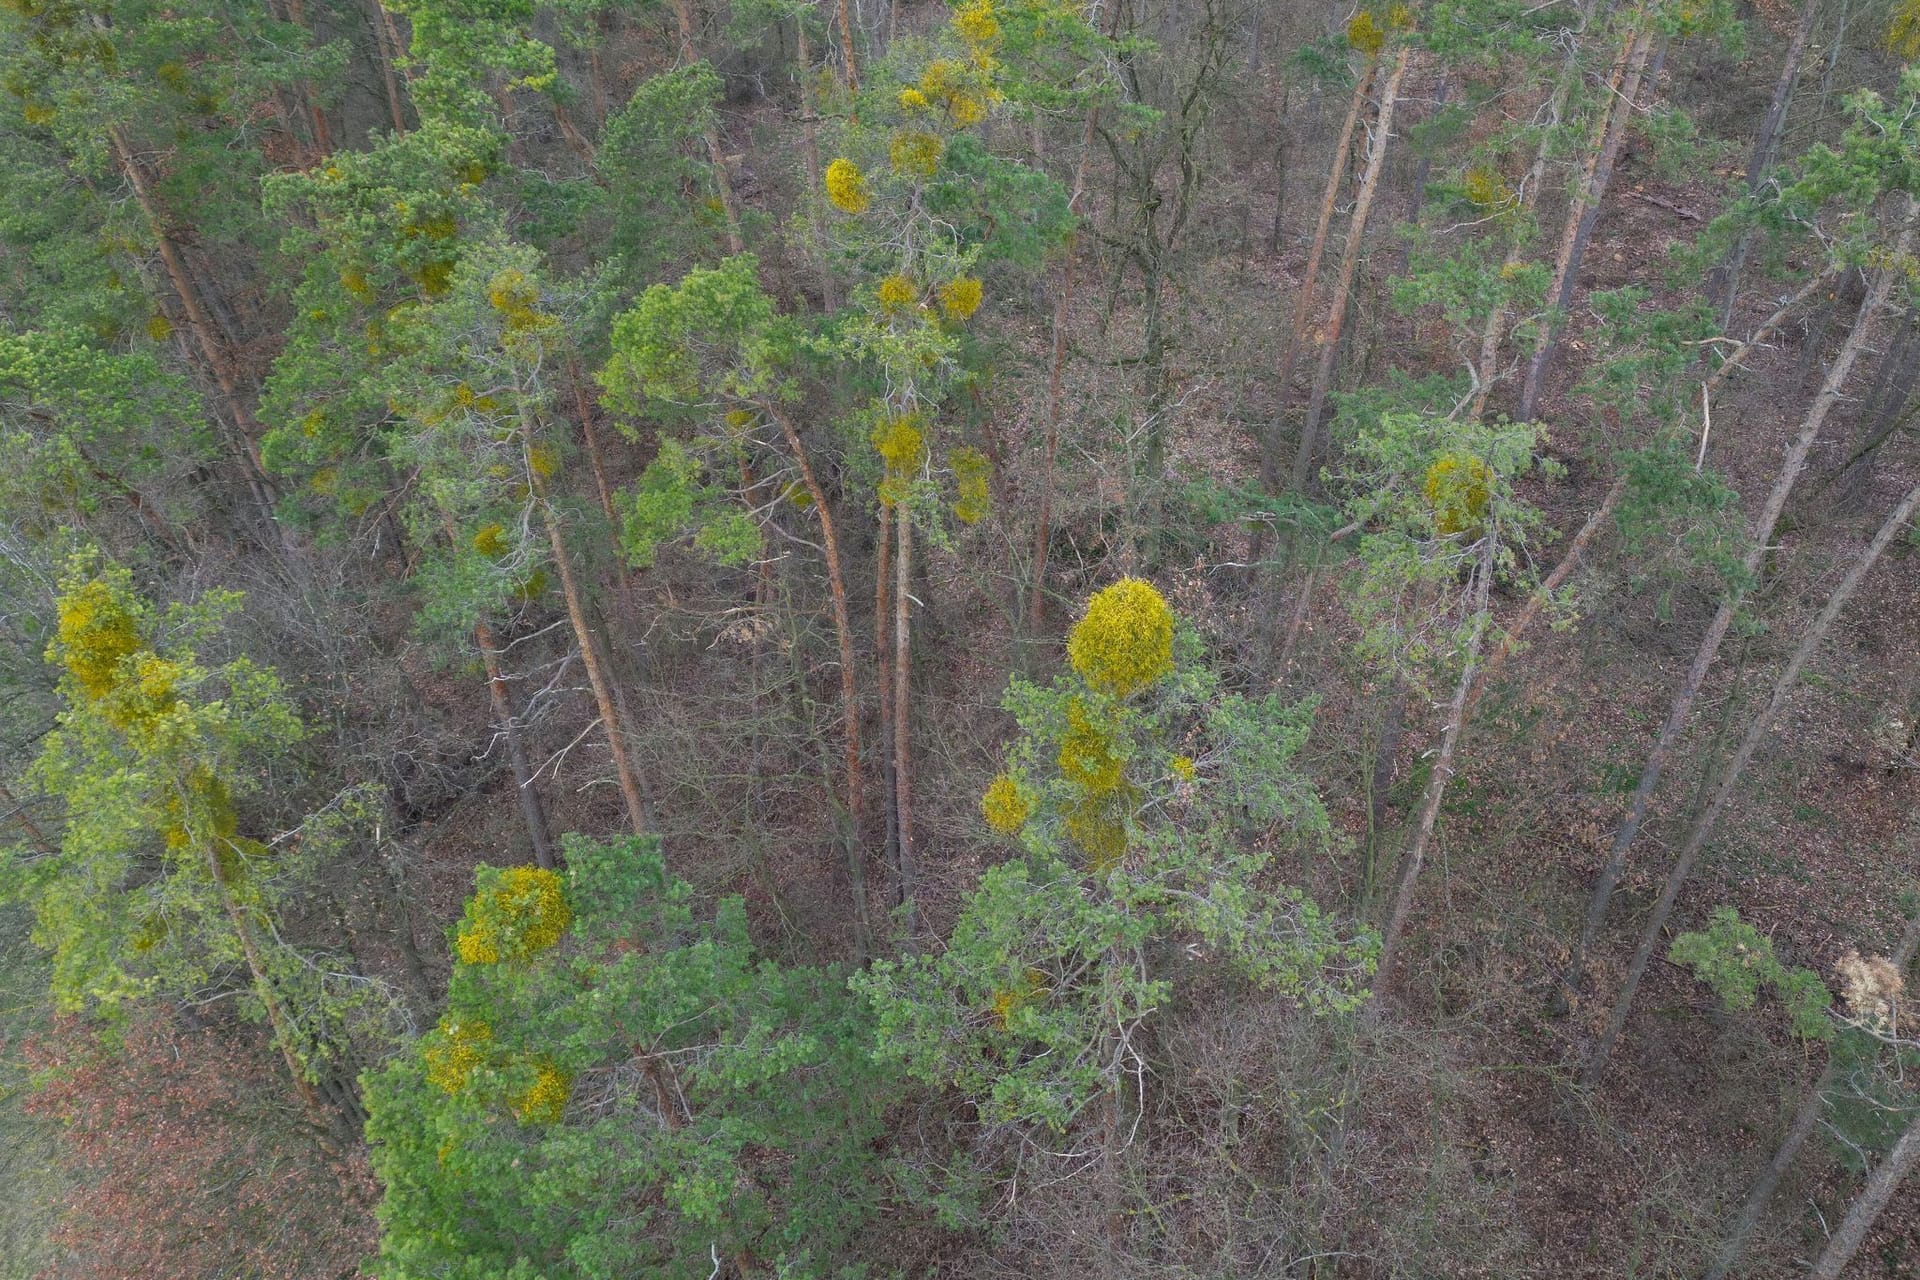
961	296
1458	488
522	914
1124	641
1007	805
847	186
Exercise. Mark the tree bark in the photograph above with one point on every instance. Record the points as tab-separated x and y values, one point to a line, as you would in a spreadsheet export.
1723	792
1759	536
1584	212
1442	771
531	811
385	53
1303	301
883	662
1725	287
610	722
849	691
810	152
1866	1207
722	176
1328	337
1062	300
902	735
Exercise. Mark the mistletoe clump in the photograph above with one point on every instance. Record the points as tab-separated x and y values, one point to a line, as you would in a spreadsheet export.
961	297
1458	488
1124	642
97	632
847	186
522	912
1007	805
545	1100
457	1050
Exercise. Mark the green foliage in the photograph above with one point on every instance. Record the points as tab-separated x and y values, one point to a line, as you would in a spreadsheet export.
1669	507
461	45
646	158
1427	490
1738	962
1141	821
671	500
715	1103
82	426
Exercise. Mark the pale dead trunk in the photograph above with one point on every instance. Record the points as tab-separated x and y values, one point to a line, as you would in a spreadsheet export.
1725	283
1303	300
1436	789
1584	211
902	706
1885	1180
1805	1120
1729	781
1759	538
1328	336
531	812
1062	300
810	152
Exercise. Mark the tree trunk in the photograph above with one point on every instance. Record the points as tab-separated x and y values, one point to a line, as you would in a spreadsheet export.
610	722
1760	535
902	737
531	811
849	691
883	663
1442	770
1805	1120
722	176
1725	283
1328	337
384	54
1867	1205
1584	212
1529	195
1303	301
1062	300
277	1016
810	151
846	49
1730	780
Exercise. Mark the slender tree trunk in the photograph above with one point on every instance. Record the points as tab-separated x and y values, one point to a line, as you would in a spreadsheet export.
902	734
1805	1120
883	661
384	54
1724	285
849	691
1759	537
1866	1207
531	811
1062	301
716	155
1585	211
1833	59
810	151
846	47
1729	782
277	1016
322	136
1303	300
610	721
1328	337
1529	196
1442	770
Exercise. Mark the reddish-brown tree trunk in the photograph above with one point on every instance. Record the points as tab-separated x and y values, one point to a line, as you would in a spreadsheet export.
849	691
